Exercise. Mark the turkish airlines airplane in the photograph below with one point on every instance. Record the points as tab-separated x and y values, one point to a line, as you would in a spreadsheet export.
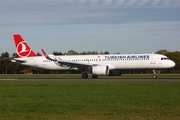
111	64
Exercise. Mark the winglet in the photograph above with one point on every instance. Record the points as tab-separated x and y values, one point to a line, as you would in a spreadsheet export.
47	56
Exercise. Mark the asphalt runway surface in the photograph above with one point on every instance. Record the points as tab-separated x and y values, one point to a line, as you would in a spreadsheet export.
94	80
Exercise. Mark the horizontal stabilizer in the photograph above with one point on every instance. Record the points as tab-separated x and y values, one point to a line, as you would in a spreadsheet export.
18	60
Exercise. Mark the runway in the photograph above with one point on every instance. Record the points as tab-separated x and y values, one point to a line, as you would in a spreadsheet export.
94	80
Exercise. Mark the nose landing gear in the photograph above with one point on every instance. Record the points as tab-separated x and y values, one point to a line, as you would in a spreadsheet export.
154	74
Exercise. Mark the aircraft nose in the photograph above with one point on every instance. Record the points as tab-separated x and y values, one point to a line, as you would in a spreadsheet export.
172	64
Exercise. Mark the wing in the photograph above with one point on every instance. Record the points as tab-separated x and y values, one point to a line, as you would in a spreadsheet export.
71	64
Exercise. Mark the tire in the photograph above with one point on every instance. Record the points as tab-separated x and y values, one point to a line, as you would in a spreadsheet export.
155	76
85	75
94	76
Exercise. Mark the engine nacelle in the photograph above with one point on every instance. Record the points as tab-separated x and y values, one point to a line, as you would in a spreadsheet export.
100	70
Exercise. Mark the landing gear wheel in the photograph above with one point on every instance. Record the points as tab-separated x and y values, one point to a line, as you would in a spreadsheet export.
85	75
154	76
94	76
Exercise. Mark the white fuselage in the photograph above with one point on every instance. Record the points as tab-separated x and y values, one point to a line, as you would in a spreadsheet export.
114	61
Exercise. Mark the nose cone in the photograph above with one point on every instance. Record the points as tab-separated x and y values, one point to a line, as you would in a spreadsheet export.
172	64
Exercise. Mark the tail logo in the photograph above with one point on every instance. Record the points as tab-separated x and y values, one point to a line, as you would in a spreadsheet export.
22	49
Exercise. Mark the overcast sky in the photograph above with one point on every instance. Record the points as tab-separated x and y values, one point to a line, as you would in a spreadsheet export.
117	26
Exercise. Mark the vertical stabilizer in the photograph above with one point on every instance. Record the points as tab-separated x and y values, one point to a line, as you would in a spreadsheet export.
22	48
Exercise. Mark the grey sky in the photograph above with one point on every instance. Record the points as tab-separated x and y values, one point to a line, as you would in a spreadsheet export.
125	26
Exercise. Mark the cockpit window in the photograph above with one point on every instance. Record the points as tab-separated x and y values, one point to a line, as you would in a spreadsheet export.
164	58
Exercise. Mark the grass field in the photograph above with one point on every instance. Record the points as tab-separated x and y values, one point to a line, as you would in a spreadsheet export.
89	100
78	76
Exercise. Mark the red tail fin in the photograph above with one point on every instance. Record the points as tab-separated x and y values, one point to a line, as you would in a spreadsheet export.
22	48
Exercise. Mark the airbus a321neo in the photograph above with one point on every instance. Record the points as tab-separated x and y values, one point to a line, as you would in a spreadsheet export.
111	64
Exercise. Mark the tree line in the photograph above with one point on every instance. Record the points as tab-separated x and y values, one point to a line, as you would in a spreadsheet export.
8	67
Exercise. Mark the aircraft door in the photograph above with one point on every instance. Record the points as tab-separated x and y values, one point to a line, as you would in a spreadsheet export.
153	59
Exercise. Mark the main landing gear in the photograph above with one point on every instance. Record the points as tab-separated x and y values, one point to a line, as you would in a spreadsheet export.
94	76
154	74
85	76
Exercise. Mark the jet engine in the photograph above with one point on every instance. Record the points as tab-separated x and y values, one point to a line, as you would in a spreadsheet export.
100	70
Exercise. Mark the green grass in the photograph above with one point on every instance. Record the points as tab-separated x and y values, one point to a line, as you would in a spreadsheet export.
78	76
89	100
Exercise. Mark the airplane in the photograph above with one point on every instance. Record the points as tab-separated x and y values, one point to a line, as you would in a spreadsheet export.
109	64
